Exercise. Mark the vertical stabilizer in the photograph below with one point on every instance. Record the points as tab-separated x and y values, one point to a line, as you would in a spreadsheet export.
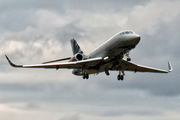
75	47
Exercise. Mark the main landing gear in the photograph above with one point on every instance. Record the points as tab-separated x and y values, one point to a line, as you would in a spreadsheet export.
85	76
121	77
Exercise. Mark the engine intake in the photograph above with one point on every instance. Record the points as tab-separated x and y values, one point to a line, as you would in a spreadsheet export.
79	57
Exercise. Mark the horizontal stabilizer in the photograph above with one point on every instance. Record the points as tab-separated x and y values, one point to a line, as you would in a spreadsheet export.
57	60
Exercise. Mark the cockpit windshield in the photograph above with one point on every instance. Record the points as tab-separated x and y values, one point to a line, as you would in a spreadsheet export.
126	32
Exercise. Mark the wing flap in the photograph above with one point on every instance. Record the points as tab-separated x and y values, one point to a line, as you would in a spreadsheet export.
130	66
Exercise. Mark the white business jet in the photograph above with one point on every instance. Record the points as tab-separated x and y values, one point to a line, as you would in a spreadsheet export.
107	57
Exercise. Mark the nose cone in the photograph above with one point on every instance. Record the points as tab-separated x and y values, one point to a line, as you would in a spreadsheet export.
137	38
133	39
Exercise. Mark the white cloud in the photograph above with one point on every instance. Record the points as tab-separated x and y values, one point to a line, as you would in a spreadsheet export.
9	111
147	17
11	46
70	117
50	19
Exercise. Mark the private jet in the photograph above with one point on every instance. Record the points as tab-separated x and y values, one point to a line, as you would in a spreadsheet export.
107	57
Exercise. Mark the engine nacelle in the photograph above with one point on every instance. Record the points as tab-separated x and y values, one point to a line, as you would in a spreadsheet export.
79	56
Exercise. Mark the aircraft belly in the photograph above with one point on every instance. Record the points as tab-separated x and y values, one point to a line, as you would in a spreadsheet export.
79	72
94	71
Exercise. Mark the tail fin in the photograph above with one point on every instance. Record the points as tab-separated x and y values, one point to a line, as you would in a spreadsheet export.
75	47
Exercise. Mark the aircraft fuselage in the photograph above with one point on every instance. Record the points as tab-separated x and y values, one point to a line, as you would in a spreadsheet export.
118	45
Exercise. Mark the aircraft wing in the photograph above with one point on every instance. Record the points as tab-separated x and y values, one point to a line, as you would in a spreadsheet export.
130	66
69	65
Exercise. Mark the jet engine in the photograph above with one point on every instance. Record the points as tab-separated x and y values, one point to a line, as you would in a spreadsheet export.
79	56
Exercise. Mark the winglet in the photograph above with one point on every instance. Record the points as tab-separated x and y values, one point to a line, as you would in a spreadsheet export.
12	64
170	67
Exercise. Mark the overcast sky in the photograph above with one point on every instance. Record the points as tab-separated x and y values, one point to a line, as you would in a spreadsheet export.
34	31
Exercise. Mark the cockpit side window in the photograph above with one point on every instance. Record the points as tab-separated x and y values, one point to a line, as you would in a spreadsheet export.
127	32
131	32
122	33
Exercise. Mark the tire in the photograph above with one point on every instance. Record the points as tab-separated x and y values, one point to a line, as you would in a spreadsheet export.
119	77
122	77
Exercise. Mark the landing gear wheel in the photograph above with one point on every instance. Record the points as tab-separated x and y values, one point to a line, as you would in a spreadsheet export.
122	77
118	77
128	59
85	76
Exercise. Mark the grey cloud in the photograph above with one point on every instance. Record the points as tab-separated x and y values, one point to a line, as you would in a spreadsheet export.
133	111
19	87
158	85
29	106
15	16
16	20
83	93
156	50
71	117
66	33
164	40
152	84
95	5
99	6
40	4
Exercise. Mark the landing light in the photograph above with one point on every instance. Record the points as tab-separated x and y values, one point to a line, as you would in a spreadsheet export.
106	58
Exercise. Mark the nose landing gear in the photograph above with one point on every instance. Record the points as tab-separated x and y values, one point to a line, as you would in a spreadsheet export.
128	58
